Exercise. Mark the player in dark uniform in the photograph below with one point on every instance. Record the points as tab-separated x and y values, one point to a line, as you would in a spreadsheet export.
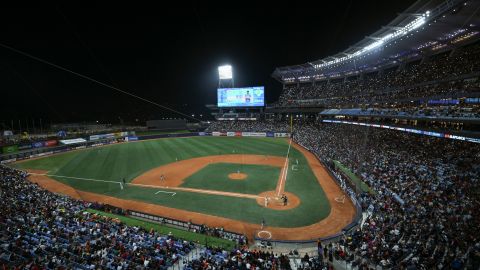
248	97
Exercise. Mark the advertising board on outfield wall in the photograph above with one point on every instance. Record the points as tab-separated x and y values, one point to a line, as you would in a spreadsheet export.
110	135
72	141
37	144
102	136
281	135
254	134
131	138
10	149
270	134
41	154
25	146
50	143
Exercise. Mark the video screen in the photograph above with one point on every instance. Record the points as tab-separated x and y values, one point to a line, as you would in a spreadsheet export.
241	97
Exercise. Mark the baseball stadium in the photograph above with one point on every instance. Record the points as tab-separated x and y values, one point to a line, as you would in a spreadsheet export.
366	158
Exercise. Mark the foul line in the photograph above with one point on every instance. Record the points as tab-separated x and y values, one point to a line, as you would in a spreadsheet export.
284	173
79	178
204	191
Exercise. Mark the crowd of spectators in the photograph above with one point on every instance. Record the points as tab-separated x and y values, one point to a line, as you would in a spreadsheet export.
213	258
247	126
219	232
435	77
424	208
42	230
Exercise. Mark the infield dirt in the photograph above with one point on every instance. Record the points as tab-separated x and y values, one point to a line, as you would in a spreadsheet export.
341	214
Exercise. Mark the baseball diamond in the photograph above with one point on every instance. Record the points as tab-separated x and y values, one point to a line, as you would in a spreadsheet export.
197	169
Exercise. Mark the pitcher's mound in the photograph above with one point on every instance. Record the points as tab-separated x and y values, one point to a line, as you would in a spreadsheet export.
275	202
237	176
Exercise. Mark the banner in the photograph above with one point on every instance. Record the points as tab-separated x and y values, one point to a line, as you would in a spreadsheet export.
281	135
131	138
10	149
103	136
41	154
269	134
254	134
50	143
73	141
37	144
25	146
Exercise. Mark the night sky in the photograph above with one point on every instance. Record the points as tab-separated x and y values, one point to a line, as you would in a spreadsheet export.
167	54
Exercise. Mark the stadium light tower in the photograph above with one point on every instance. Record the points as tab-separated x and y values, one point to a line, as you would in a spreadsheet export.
225	76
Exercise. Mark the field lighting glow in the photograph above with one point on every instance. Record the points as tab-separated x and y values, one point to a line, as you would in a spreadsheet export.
225	72
402	31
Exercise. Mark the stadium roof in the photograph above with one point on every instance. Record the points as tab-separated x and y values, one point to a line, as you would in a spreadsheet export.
427	27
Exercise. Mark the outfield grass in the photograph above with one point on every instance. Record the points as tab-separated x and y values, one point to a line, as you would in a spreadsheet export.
162	229
215	177
129	160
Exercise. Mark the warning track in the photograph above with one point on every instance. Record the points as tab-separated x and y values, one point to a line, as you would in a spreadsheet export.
341	214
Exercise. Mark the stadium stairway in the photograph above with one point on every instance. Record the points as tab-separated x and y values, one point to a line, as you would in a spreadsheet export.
192	255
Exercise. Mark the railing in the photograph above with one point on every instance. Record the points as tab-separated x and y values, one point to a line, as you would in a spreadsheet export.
186	225
324	101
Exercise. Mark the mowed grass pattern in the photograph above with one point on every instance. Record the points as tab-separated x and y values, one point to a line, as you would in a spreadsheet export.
128	160
260	178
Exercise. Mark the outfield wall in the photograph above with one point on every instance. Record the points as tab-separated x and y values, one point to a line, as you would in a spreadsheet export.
104	139
188	226
40	152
